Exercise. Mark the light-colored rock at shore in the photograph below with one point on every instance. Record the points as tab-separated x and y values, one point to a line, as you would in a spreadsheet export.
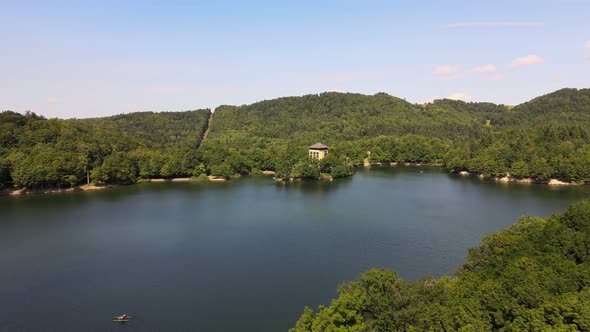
90	187
216	178
555	182
525	181
269	172
464	173
86	187
181	179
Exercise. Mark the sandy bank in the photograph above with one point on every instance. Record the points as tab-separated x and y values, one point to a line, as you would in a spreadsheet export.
555	182
216	178
86	187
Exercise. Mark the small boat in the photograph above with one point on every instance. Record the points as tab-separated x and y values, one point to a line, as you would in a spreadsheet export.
124	320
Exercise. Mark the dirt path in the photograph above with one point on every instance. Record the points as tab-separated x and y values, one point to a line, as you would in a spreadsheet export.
209	121
206	133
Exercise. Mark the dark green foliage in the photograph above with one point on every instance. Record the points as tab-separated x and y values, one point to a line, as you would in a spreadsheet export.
40	153
338	167
306	169
223	170
533	276
199	170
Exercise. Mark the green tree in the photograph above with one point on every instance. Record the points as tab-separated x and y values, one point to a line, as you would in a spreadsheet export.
223	170
308	169
199	169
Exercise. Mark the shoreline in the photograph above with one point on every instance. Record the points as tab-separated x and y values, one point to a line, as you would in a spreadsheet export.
510	179
92	187
210	178
86	187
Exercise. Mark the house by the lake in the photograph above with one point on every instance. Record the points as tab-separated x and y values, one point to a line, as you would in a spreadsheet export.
318	151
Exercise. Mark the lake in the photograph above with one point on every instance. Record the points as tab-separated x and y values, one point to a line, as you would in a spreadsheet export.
246	255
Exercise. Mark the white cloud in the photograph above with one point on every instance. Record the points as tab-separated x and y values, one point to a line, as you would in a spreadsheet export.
447	70
484	69
459	96
495	24
497	77
52	100
530	59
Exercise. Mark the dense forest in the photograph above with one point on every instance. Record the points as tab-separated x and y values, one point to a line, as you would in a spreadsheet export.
545	138
51	153
533	276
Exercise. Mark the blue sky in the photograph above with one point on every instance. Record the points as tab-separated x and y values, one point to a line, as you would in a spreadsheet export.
83	59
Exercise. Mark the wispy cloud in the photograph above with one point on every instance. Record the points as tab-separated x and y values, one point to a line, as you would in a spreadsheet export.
497	77
495	24
447	70
459	96
530	59
484	69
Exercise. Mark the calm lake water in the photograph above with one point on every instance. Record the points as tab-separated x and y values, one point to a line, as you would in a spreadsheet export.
246	255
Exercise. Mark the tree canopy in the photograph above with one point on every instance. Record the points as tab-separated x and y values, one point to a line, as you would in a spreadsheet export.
39	153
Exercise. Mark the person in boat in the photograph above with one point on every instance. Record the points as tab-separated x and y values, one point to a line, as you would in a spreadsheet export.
122	317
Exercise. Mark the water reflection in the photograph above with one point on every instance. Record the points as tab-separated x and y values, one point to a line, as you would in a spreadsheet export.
311	186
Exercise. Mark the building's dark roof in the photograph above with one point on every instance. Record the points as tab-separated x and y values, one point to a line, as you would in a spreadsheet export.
318	146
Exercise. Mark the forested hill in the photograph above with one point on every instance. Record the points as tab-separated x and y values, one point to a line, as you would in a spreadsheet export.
348	116
51	153
334	117
533	276
156	129
274	134
547	137
563	106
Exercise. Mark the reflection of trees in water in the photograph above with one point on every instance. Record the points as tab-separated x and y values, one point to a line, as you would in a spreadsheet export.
387	171
315	186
